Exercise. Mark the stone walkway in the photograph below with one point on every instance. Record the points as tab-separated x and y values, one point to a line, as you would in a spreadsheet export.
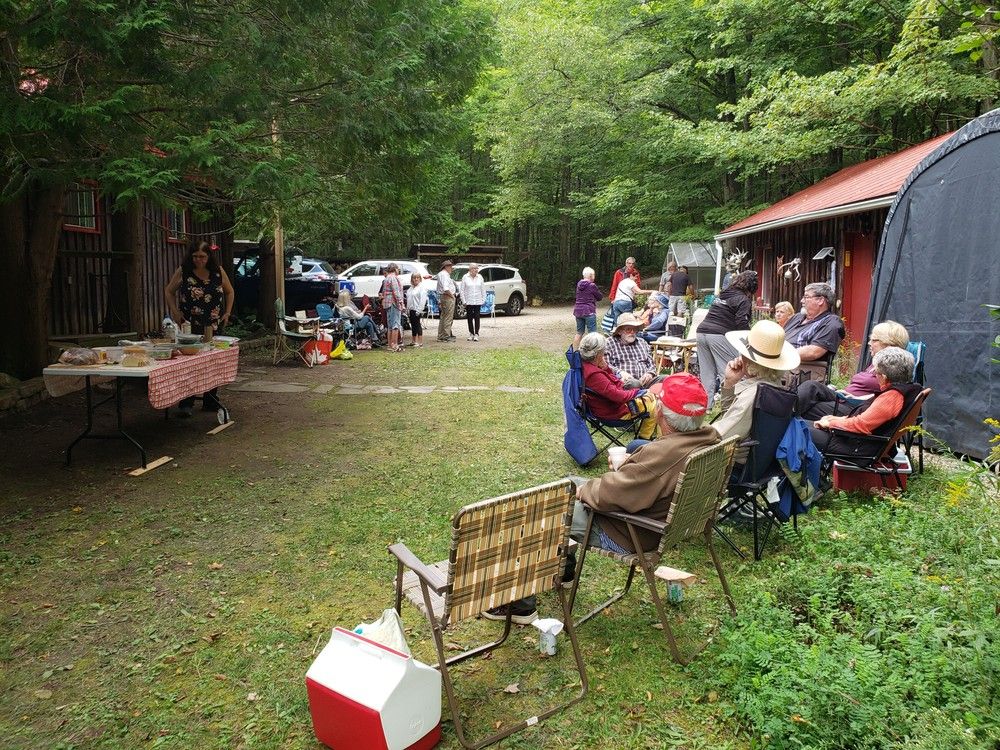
247	383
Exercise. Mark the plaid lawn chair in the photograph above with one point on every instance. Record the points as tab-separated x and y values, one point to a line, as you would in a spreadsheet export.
692	513
502	550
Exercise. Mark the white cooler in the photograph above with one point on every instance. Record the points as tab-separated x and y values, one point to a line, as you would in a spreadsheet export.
366	696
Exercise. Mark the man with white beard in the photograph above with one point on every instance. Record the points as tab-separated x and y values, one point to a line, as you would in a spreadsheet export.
629	355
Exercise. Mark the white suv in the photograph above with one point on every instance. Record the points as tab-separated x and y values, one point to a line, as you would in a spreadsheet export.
508	287
369	274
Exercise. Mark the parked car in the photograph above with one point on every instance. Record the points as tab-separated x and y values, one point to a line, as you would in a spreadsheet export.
301	292
316	268
368	274
508	287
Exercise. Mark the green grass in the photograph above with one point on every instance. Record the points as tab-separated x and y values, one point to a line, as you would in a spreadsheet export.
183	608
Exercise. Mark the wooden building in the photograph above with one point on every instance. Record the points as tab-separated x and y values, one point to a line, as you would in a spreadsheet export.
828	232
111	268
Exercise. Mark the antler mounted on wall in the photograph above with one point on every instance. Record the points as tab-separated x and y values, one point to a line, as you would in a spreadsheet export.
787	269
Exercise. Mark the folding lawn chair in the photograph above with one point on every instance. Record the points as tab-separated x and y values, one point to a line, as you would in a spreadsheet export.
502	550
697	496
289	343
773	410
874	453
616	432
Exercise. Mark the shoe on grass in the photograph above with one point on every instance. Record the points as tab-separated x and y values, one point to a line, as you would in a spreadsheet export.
520	613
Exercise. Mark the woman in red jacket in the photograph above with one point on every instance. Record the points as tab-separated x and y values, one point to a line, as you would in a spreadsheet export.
606	397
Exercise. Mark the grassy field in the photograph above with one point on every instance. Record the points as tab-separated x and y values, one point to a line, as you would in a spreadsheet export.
182	609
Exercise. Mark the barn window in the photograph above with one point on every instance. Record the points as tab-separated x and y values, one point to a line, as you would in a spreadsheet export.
80	208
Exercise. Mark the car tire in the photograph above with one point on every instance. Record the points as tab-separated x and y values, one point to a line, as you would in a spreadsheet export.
459	309
515	304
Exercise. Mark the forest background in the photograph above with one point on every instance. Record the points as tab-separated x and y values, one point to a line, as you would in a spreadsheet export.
576	132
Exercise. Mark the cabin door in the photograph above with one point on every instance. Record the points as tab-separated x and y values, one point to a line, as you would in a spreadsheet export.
859	263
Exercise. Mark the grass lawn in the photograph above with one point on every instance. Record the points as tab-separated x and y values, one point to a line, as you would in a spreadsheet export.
181	609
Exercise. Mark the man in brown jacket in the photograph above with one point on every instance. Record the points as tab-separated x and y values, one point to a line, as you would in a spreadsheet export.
643	485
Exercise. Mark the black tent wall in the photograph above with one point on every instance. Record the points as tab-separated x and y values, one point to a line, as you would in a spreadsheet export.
938	264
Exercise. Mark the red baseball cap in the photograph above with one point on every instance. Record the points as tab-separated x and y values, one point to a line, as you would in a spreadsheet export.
683	393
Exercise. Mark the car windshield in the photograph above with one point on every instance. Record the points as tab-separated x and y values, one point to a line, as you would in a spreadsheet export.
322	266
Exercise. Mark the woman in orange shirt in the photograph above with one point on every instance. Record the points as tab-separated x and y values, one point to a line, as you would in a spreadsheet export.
894	371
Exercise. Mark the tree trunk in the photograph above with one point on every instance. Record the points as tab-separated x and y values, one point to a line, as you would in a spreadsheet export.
30	225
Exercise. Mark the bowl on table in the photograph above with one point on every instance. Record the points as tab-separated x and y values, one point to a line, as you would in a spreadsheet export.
187	339
161	352
189	349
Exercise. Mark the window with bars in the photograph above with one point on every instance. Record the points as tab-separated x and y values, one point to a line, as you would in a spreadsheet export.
80	208
175	221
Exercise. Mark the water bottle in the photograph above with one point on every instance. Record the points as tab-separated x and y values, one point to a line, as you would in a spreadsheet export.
900	457
169	329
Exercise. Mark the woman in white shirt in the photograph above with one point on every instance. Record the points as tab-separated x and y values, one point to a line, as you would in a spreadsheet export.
473	292
416	299
625	295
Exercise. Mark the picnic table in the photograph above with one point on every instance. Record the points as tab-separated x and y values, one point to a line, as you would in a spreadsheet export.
167	383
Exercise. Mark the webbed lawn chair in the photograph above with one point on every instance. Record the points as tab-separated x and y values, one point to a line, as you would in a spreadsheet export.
489	305
287	342
502	550
697	496
772	413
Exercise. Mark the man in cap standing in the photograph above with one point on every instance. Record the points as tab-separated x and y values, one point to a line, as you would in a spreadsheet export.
446	301
644	484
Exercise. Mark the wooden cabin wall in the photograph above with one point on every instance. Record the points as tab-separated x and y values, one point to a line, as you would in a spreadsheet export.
768	249
78	303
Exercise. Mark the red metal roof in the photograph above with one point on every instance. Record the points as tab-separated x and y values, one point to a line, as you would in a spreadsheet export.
871	179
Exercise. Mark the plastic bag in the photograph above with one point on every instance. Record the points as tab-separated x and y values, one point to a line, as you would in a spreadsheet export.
79	356
387	630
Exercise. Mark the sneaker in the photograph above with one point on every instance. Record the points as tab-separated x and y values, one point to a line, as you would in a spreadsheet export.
475	337
470	338
569	572
452	338
521	613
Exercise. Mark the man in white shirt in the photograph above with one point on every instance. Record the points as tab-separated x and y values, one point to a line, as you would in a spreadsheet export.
446	301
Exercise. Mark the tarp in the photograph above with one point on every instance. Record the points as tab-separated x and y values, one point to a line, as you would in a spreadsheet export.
938	264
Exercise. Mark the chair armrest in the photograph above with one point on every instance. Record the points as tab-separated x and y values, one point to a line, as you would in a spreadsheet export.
641	521
411	561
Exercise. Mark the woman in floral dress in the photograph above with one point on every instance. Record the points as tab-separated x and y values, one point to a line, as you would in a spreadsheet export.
200	293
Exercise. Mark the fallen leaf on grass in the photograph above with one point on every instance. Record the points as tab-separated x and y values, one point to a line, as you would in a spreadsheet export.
649	696
43	694
220	677
215	566
835	535
253	697
212	637
452	646
512	688
77	509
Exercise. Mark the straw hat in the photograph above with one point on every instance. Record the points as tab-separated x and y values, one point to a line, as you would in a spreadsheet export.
765	345
627	319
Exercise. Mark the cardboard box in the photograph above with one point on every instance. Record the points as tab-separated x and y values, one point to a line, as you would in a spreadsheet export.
883	477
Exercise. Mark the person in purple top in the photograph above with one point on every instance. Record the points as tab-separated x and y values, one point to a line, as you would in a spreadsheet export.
585	310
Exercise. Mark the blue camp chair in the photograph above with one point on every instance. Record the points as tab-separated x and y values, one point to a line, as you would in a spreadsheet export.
616	432
433	309
489	306
916	437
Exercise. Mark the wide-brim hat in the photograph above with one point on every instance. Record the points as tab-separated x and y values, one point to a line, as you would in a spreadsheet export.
447	263
627	319
765	345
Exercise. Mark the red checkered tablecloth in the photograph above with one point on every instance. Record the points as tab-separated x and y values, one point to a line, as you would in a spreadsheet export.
175	379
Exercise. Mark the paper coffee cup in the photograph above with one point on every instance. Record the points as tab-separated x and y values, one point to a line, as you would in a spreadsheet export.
617	455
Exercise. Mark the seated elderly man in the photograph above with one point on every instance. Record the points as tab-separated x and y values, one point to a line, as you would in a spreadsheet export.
630	356
816	332
644	484
658	320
